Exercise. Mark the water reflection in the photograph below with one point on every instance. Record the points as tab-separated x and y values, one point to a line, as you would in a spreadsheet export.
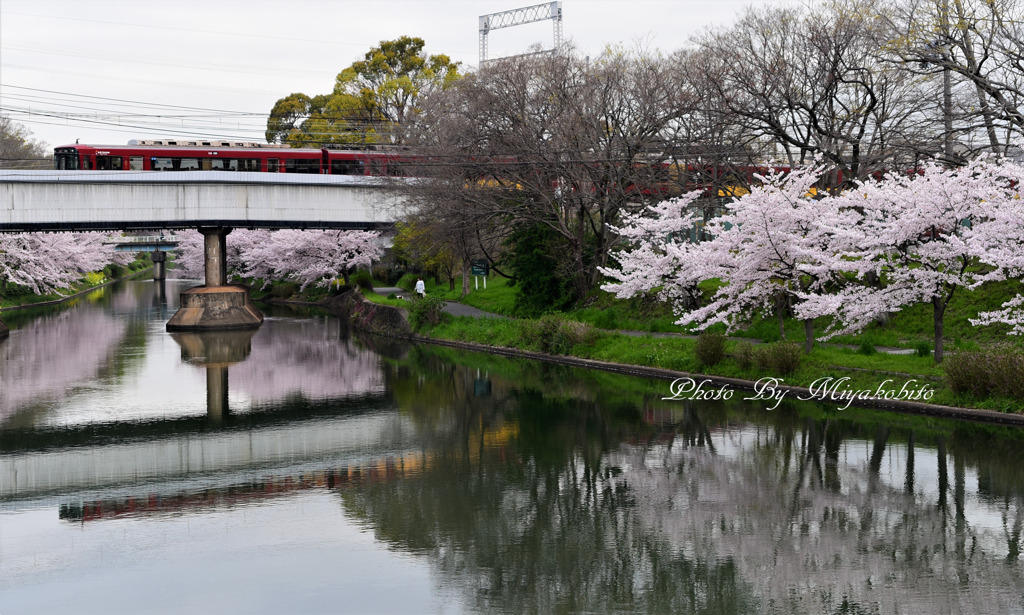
480	484
216	351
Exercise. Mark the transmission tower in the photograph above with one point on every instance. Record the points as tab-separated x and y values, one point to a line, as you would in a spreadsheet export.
518	17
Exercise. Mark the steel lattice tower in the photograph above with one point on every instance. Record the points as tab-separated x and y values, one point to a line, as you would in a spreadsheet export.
518	17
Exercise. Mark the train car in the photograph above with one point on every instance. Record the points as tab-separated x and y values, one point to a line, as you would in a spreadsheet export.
224	156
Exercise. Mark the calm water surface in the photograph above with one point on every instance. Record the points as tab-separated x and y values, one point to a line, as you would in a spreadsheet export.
306	469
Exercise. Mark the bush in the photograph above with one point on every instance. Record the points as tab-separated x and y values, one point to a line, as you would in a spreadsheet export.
744	355
710	348
283	290
425	310
996	371
407	282
606	319
363	280
866	348
779	358
923	349
555	334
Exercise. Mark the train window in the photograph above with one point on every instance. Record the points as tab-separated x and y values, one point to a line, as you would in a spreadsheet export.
135	163
161	164
187	164
301	166
108	163
249	164
273	165
346	167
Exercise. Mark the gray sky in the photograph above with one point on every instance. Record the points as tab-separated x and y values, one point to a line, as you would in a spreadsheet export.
105	71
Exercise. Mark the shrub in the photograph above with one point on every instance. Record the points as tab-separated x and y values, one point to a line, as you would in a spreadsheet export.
407	282
710	348
555	334
778	358
425	310
995	371
923	349
283	290
866	348
606	319
363	280
744	355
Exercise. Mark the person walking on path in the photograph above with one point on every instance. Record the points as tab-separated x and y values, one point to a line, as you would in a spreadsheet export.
421	288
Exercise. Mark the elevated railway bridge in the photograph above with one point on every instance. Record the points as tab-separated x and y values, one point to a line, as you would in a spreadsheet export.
213	203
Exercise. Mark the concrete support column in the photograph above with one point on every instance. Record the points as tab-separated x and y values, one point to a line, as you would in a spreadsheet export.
216	255
215	305
159	258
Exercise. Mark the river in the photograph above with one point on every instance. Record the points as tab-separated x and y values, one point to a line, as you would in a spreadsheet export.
305	468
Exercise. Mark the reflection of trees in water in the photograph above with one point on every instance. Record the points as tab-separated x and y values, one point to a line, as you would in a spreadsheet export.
540	503
821	518
49	355
517	504
308	358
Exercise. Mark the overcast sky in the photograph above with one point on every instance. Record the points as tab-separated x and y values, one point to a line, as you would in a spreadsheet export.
105	71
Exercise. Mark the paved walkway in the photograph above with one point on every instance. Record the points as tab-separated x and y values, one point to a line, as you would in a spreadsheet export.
450	307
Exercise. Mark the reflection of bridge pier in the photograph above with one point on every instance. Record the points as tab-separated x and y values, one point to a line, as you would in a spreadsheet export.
215	350
4	332
215	306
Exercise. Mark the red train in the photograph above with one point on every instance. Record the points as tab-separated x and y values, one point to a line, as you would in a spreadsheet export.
187	155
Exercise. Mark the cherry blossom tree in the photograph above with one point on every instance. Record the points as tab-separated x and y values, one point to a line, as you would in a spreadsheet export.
311	257
774	245
924	236
44	262
308	257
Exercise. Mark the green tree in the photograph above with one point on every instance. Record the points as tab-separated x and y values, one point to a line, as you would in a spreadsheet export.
18	150
371	100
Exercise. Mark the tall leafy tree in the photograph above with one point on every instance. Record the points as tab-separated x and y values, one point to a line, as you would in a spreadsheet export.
371	99
18	150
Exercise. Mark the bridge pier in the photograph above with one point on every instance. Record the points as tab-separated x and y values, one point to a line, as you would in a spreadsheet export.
217	305
159	258
4	332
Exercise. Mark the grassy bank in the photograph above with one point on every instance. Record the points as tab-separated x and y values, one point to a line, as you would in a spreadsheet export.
16	296
595	333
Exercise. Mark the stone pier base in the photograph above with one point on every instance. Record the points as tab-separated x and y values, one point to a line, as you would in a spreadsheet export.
215	308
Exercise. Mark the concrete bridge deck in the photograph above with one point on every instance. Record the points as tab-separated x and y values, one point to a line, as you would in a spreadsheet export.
124	200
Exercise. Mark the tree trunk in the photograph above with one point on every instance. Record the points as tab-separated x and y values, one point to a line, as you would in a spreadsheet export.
808	335
939	309
465	276
780	309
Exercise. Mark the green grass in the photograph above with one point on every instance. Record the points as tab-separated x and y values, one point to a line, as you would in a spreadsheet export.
862	372
842	357
497	298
